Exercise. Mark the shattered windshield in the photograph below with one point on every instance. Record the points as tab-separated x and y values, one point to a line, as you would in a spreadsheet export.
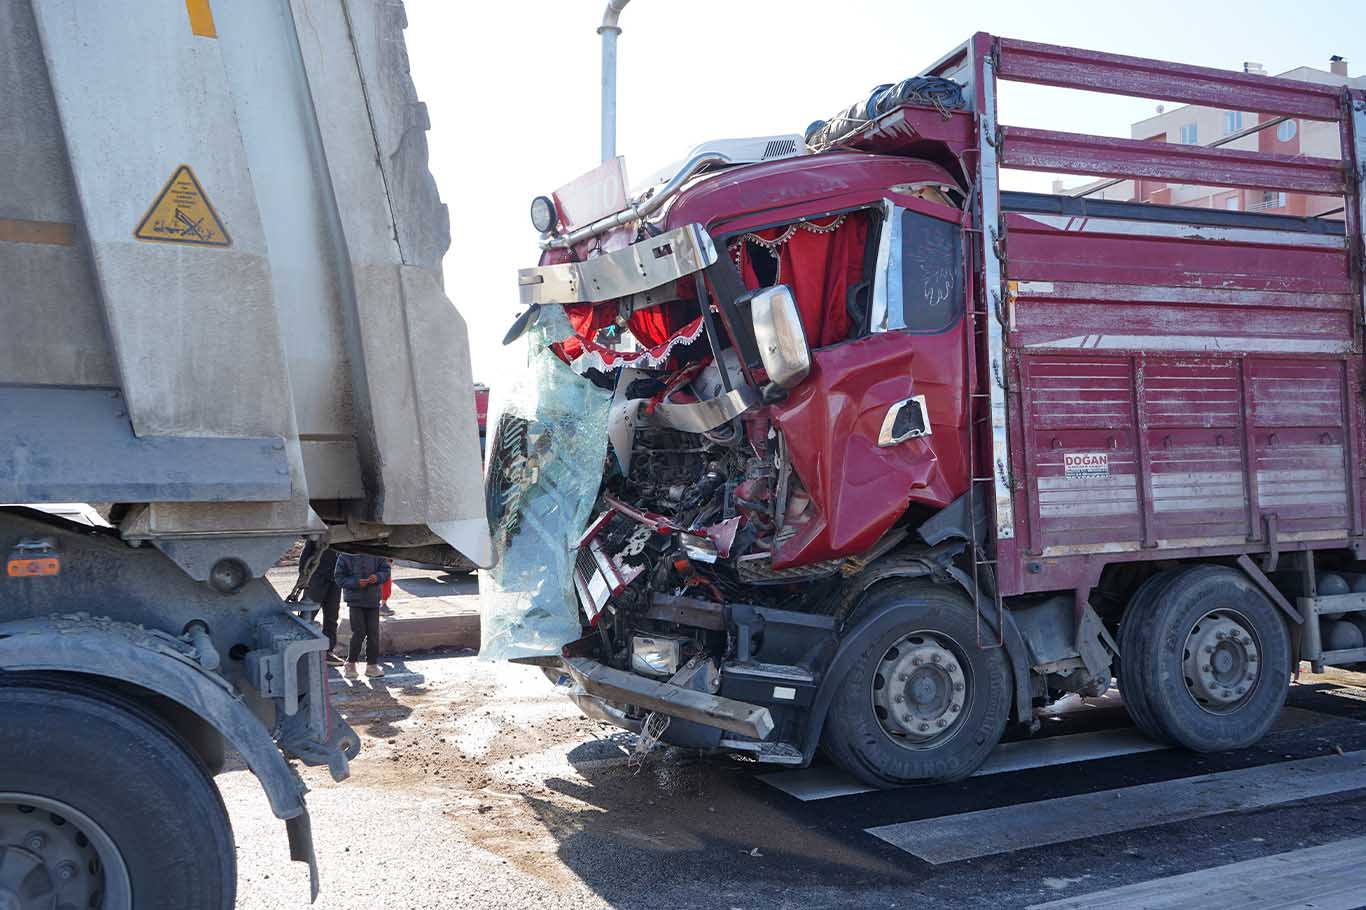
545	466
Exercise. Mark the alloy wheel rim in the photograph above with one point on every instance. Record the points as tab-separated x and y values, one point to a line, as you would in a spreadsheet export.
1222	661
921	690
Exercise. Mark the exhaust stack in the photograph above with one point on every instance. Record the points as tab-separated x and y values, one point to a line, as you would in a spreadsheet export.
609	31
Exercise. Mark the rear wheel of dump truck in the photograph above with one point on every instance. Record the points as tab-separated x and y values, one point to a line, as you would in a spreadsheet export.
102	805
1205	660
922	701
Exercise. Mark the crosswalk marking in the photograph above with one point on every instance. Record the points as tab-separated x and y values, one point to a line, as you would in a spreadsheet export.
991	831
1329	877
827	782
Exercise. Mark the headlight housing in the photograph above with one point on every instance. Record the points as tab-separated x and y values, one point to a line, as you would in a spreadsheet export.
543	214
656	655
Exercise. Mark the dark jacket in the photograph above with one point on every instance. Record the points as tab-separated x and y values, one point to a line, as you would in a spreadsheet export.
351	569
322	578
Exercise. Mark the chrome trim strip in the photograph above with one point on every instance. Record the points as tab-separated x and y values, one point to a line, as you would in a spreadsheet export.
621	273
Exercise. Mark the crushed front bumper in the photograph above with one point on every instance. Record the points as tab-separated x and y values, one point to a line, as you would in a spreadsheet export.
604	687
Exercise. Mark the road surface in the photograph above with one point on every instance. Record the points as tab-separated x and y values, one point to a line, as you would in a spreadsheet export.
480	787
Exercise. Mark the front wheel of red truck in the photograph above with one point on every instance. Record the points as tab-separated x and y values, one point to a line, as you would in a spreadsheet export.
1206	660
922	702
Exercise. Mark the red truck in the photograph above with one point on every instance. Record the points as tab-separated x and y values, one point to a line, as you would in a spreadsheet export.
897	457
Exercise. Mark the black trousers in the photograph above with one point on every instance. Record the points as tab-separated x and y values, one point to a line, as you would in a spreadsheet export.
365	628
331	613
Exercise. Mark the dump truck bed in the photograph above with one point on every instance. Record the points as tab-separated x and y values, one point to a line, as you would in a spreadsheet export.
221	251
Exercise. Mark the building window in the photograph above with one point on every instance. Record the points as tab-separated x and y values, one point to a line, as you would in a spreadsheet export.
1233	121
1286	131
1271	200
1189	134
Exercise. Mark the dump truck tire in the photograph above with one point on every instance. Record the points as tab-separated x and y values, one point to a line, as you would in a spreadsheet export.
922	702
1210	655
1132	631
112	801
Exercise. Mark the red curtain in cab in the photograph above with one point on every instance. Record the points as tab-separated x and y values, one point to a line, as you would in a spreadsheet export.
819	268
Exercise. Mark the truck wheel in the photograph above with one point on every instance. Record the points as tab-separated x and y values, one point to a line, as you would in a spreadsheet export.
922	702
1210	657
103	806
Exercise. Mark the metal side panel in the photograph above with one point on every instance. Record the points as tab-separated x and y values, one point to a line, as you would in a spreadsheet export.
192	316
411	375
42	256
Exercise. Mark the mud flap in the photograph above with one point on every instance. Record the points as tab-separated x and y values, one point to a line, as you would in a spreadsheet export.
300	831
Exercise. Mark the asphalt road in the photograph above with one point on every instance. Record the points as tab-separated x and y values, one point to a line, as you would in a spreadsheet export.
481	787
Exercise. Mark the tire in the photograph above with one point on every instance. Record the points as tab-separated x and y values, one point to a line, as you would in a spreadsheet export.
881	750
128	783
1132	629
1199	686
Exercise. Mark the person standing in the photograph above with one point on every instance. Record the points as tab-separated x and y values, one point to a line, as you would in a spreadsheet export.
361	577
323	590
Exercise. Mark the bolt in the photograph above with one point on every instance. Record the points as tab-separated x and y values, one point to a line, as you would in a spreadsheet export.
1242	689
897	699
941	723
924	727
936	659
901	677
35	841
958	687
954	708
952	668
915	661
66	871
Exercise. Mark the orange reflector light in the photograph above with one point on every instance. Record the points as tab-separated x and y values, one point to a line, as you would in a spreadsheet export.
29	568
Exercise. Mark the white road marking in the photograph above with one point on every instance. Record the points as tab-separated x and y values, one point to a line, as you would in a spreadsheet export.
1329	877
825	783
988	832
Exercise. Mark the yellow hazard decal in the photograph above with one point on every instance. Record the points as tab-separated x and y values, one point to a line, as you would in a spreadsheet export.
182	213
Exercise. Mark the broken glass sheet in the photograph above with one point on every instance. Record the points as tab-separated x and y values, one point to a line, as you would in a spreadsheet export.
545	465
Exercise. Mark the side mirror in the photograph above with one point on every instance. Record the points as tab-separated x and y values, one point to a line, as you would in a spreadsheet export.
780	337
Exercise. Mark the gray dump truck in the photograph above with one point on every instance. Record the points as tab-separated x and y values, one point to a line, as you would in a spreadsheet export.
221	321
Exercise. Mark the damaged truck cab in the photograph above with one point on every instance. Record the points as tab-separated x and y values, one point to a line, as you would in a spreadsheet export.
837	489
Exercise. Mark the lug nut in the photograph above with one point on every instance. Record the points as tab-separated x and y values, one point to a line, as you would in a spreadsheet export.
35	841
936	659
901	677
897	699
941	723
1209	649
958	687
66	871
924	727
915	661
954	708
1242	689
1206	669
952	668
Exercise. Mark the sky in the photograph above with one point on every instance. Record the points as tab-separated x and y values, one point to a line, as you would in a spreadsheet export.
512	89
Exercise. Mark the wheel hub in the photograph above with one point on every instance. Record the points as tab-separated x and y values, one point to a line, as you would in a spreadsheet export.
920	689
46	860
1221	662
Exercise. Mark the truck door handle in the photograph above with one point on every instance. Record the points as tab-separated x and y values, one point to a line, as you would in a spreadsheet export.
907	419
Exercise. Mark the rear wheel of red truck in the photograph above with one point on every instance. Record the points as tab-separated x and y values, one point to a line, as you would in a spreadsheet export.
922	702
101	805
1205	661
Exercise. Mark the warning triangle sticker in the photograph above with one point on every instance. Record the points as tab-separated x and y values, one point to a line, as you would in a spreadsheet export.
182	213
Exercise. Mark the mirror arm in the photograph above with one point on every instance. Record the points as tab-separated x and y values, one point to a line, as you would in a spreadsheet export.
713	333
725	281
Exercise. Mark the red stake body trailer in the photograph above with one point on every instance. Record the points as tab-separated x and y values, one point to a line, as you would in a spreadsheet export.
1154	413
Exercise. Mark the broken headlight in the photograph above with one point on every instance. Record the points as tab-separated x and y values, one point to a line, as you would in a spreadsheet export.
655	655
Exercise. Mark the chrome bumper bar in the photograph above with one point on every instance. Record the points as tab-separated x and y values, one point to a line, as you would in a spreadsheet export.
635	269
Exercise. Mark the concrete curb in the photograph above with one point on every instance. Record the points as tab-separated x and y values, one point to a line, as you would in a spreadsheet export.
422	633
